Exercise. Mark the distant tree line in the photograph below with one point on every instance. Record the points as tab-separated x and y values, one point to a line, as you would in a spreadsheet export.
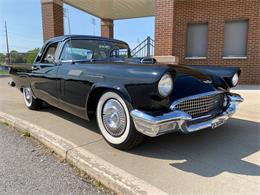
18	57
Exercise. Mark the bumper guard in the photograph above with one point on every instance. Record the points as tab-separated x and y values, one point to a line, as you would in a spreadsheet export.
153	126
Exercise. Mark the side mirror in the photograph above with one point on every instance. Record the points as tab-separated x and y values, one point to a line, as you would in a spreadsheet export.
50	59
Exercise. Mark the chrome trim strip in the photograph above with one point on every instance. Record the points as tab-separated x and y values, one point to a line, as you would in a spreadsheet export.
193	97
178	121
201	117
95	76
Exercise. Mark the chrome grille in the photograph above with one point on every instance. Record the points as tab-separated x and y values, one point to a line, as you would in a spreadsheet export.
201	105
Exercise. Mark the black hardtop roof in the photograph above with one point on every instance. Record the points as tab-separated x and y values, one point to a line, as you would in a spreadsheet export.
64	37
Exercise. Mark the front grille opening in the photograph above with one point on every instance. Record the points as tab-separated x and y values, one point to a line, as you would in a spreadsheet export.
209	105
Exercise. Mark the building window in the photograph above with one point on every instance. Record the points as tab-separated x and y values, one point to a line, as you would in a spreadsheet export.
197	40
235	41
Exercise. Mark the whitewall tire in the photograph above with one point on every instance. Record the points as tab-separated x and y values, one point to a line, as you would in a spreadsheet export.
115	123
31	102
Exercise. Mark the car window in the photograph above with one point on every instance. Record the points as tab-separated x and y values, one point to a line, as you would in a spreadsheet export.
93	49
70	52
119	52
49	55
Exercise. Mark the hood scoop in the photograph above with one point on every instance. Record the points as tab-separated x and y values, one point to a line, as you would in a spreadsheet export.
148	60
144	60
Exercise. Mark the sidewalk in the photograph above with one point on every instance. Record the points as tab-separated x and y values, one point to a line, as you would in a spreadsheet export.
226	159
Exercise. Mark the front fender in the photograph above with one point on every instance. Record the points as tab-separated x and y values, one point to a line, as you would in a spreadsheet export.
96	92
112	86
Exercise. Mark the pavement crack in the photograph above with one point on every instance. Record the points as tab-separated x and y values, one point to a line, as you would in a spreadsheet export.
79	146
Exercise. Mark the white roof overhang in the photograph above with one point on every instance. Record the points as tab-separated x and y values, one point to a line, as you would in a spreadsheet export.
115	9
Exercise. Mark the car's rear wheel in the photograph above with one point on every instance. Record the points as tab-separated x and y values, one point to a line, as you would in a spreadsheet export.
115	123
31	102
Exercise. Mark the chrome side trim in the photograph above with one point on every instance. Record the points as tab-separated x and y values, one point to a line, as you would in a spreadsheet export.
193	97
95	76
179	121
75	72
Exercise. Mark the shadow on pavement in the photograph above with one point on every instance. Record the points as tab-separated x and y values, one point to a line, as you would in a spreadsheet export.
89	125
223	148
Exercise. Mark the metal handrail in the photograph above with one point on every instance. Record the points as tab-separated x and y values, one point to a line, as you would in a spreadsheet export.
144	49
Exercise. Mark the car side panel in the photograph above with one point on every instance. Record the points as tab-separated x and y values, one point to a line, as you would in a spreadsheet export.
75	85
44	82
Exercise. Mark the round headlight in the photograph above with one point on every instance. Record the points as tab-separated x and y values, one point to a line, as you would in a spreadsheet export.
235	80
165	85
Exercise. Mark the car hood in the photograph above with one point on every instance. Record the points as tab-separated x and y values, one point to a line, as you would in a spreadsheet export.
185	78
188	81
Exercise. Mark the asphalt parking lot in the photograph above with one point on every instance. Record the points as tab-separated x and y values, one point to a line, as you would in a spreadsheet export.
223	160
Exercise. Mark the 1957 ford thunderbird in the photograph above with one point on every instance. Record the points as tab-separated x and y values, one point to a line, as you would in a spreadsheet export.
130	97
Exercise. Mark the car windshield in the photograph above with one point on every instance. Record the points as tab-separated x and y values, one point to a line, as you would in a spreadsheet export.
94	50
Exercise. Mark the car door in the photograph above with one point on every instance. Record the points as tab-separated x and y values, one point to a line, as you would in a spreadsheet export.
74	84
43	76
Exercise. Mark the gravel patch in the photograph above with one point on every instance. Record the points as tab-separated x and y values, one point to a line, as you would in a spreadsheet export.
27	167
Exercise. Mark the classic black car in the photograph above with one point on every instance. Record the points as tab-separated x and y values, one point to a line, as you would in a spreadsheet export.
130	97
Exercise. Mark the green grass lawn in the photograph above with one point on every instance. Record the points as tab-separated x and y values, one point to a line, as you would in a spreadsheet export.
4	72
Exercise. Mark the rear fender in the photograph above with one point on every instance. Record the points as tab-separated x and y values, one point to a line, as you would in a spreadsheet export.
21	80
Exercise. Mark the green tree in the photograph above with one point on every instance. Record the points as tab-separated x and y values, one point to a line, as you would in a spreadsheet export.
2	58
31	55
17	57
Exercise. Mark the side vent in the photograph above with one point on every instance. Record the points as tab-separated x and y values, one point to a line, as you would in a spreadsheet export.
148	61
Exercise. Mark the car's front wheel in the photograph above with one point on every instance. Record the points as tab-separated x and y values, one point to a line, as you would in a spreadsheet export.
115	123
31	102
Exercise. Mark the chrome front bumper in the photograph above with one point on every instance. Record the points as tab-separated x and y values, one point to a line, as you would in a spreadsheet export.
153	126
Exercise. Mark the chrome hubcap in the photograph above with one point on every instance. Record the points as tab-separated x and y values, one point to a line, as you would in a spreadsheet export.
28	95
114	117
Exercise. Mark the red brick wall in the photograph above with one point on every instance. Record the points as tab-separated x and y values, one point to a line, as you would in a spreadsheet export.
52	19
258	41
215	13
107	28
164	27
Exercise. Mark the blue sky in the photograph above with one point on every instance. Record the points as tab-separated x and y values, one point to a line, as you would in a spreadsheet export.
23	18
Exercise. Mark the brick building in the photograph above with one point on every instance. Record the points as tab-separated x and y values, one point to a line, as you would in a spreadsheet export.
207	32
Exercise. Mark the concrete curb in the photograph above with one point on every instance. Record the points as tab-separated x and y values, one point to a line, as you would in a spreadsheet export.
109	175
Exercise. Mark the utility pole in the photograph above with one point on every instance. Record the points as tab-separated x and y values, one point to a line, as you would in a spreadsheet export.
93	21
7	45
66	14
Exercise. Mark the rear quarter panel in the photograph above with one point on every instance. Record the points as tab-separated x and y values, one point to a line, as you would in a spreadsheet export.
20	74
